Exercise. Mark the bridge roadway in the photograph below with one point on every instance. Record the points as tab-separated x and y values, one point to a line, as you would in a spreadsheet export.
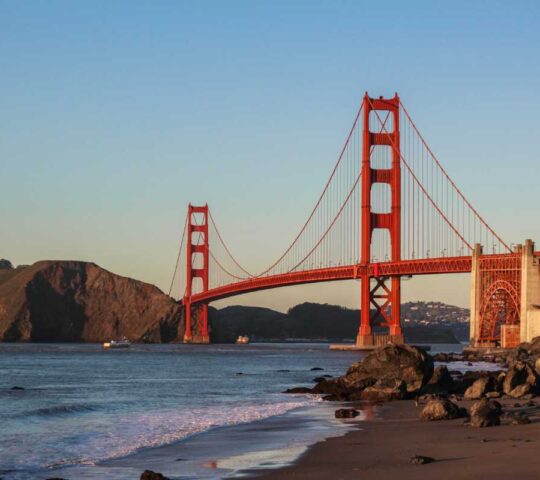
426	266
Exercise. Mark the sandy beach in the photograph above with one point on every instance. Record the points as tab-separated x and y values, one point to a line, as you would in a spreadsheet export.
383	444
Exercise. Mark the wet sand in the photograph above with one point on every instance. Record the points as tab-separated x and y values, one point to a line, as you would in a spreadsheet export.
382	446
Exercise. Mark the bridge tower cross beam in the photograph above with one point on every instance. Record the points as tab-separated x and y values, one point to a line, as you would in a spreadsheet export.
196	247
391	221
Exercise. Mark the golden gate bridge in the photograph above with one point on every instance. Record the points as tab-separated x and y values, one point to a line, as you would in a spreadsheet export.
388	210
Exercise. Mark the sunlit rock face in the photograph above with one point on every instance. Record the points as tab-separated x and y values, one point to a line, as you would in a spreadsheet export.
68	301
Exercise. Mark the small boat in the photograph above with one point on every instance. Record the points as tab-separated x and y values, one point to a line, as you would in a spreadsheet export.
124	343
242	340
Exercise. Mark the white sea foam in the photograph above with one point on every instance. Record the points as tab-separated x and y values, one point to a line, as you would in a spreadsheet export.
474	366
131	433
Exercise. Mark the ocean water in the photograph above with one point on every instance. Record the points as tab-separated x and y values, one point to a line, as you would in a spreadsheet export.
85	412
191	412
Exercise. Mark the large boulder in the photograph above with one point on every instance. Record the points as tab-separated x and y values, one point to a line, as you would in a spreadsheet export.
480	388
385	390
441	409
150	475
486	413
346	413
520	379
392	362
440	382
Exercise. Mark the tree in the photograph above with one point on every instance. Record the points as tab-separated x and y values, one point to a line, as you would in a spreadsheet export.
5	264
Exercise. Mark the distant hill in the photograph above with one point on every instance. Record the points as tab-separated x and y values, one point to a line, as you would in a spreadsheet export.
68	301
308	321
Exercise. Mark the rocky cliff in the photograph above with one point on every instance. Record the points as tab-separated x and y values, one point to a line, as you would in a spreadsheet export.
68	301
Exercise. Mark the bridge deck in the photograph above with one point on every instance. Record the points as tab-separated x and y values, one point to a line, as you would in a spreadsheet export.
427	266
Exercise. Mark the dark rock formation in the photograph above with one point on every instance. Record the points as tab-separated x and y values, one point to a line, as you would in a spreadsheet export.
346	413
520	379
441	381
299	390
149	475
392	362
68	301
520	419
486	413
480	388
441	409
385	390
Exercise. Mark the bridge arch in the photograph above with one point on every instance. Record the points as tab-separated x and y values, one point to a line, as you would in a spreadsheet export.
500	305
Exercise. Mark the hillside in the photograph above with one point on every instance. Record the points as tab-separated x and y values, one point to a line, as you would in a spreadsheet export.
69	301
311	321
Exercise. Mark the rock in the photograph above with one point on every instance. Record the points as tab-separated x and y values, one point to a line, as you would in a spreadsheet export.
521	419
485	413
441	357
521	391
493	395
149	475
314	369
420	460
441	409
520	373
16	387
537	365
346	413
480	388
392	362
68	301
319	379
463	381
534	346
385	390
299	390
530	403
440	382
337	391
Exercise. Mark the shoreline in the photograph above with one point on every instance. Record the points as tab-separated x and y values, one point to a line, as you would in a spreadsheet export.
228	451
383	445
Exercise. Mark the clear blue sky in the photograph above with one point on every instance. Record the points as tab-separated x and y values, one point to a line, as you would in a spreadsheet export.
115	114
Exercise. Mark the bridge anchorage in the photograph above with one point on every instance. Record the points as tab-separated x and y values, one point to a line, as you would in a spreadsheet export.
388	210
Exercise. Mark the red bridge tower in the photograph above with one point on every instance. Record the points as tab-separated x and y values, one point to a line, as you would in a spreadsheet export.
197	253
385	294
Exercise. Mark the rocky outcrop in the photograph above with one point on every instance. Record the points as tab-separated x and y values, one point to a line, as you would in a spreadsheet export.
480	388
68	301
404	363
150	475
441	409
520	379
440	382
486	413
385	390
346	413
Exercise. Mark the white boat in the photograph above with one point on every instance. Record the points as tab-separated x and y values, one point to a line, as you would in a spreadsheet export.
242	340
124	343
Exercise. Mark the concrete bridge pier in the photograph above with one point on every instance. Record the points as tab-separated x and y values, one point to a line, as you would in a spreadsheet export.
530	294
505	298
